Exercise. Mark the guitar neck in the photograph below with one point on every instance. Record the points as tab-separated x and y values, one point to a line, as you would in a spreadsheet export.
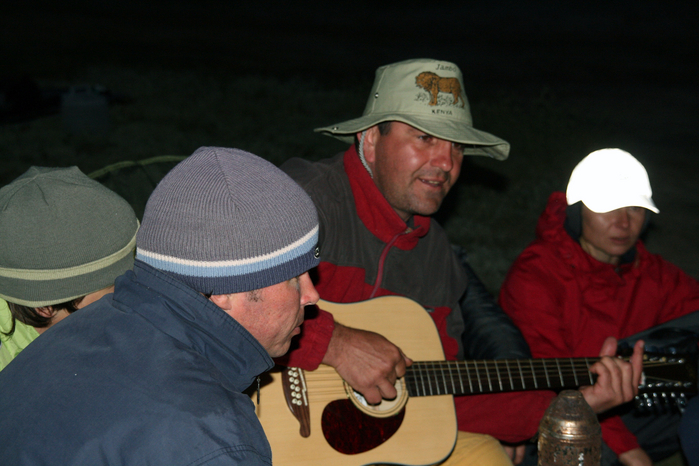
429	378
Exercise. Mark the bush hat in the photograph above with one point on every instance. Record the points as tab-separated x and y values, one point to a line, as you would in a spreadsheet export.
609	179
428	95
227	221
62	236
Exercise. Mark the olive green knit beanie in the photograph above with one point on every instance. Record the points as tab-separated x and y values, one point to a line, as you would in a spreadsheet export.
62	236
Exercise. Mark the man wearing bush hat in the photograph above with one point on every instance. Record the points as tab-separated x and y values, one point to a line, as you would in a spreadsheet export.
64	239
154	374
375	203
588	276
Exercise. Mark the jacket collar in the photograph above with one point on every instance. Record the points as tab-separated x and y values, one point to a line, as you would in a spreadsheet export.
196	322
376	213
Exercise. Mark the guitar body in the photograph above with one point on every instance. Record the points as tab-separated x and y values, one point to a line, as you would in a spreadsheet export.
425	435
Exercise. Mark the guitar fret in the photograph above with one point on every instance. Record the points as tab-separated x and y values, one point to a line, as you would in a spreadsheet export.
478	375
509	374
589	374
451	376
498	372
575	374
468	373
546	372
487	374
531	363
560	374
429	380
461	381
410	376
521	375
422	381
444	379
435	379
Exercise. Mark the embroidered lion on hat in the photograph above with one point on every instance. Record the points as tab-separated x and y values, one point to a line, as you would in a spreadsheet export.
434	84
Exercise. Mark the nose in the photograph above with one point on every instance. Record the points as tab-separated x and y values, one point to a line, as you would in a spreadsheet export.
442	156
622	218
309	294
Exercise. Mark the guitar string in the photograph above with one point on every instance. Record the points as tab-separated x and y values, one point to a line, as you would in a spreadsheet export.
329	385
437	368
567	376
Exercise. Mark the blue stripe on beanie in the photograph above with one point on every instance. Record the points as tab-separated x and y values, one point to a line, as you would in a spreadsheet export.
240	267
226	221
251	281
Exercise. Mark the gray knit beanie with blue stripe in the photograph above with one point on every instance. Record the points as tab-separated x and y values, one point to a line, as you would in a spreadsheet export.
226	221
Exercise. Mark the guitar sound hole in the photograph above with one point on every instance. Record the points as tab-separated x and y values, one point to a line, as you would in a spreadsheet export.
350	431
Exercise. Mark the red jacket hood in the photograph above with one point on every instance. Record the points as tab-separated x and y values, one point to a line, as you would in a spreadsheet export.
550	228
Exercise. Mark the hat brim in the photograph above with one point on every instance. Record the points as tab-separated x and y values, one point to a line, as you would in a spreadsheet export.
476	142
603	205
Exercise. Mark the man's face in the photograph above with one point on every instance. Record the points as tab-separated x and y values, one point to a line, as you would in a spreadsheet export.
413	170
273	315
609	235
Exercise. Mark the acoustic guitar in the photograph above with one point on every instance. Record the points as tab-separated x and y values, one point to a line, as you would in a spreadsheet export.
314	417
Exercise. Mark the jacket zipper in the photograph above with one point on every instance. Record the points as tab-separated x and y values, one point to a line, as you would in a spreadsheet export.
382	259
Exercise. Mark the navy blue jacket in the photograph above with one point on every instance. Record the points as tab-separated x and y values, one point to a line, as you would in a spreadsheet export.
152	374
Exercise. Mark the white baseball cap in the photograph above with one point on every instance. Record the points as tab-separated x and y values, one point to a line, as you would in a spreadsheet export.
609	179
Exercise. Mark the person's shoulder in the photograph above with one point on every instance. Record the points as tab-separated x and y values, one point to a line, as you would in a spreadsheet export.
439	237
655	264
541	262
309	174
237	418
326	183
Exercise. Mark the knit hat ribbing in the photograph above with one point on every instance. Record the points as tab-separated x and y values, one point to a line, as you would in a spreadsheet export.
226	221
62	236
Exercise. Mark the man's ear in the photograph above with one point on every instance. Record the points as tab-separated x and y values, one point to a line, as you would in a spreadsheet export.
222	300
371	138
46	311
232	304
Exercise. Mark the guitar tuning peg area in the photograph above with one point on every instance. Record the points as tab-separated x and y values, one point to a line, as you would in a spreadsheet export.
660	402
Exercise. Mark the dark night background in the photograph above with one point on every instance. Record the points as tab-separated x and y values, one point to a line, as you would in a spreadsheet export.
626	69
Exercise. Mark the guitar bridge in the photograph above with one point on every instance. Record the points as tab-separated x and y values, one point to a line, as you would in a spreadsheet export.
296	395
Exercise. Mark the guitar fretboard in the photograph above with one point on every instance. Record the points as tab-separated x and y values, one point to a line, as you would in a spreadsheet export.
429	378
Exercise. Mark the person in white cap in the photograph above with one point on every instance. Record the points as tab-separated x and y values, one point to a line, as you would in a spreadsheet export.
588	276
375	203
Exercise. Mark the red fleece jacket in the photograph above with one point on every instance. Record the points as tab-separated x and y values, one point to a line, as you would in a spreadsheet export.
511	417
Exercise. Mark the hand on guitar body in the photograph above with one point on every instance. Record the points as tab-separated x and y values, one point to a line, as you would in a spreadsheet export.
617	380
367	361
